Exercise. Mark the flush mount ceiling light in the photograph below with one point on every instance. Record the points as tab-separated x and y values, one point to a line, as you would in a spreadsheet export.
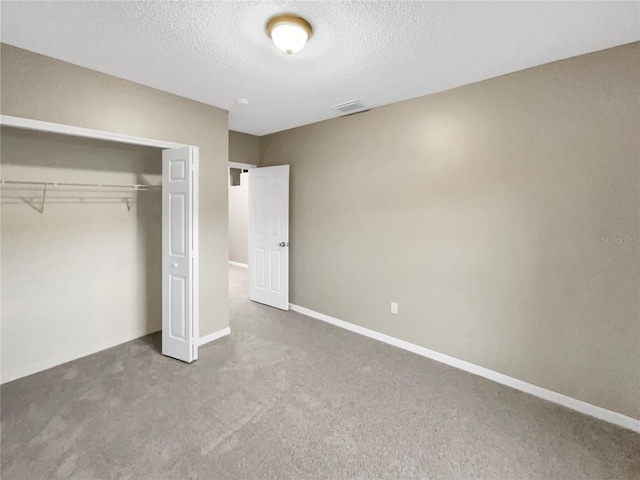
289	32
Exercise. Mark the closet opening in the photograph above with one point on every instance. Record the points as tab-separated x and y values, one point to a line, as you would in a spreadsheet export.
99	244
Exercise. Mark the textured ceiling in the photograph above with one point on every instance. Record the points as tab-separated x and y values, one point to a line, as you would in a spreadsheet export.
379	52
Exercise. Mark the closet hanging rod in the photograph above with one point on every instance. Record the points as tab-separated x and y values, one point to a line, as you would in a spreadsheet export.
133	187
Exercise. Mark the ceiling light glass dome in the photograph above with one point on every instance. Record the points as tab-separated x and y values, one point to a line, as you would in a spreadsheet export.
289	32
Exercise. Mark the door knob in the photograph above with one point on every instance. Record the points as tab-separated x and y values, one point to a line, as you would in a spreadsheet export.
283	244
174	264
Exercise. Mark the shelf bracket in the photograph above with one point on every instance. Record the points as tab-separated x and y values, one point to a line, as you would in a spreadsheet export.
44	196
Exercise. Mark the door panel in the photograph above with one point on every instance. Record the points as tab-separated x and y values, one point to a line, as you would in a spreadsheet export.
178	226
269	236
179	275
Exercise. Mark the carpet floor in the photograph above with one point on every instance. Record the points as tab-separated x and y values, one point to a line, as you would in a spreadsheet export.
288	397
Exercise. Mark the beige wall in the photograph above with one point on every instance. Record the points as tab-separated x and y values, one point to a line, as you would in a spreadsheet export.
85	274
238	221
482	211
42	88
243	148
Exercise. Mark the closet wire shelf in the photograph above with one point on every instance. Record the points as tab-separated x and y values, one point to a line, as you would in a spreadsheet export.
124	192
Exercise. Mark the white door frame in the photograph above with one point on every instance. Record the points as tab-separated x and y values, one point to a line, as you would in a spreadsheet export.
242	166
62	129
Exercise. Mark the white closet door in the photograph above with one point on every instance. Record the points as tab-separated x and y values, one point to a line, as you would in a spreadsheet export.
179	254
269	236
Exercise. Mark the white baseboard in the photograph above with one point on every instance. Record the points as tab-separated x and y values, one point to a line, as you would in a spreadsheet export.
238	264
72	355
213	336
555	397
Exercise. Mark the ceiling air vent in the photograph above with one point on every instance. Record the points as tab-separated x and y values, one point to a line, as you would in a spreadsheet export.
349	106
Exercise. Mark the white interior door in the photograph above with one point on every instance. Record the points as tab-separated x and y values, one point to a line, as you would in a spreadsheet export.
180	253
269	236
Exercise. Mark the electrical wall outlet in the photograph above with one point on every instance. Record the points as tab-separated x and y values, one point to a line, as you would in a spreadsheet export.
394	308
